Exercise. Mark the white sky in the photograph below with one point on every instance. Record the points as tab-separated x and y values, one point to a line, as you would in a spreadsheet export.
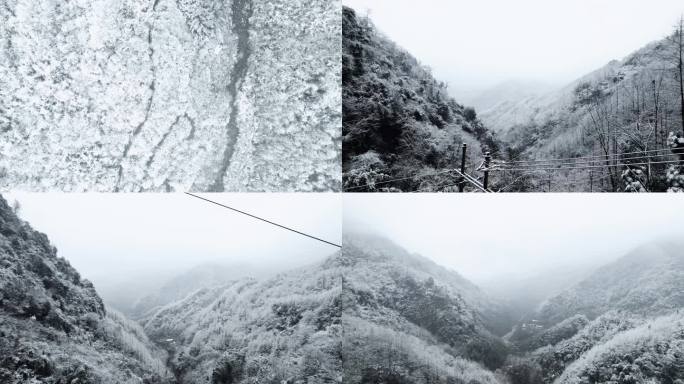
110	237
486	237
480	43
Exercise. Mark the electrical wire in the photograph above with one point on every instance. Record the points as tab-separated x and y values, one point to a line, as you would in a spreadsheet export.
264	220
551	163
669	150
583	167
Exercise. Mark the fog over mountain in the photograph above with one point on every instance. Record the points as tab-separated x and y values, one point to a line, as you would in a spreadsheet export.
475	46
494	239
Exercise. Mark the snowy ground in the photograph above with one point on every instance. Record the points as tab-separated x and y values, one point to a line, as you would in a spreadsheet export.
122	95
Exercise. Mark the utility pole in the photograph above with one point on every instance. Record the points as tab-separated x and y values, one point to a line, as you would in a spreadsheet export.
680	66
461	185
488	159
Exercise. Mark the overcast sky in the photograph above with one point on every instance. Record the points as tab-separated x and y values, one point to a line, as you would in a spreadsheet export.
476	44
487	237
112	237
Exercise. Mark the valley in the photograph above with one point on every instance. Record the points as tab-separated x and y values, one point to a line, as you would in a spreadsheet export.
417	322
619	128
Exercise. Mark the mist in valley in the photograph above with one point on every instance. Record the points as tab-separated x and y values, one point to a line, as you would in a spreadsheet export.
132	246
531	44
514	253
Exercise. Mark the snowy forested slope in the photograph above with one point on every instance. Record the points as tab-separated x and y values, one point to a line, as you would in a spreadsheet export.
647	281
53	325
408	320
650	353
207	275
399	121
623	323
159	95
624	110
284	329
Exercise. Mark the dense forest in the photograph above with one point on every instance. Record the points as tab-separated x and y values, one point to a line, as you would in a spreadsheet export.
159	96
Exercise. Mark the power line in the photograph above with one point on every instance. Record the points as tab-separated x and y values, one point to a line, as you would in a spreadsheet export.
583	167
264	220
583	162
591	157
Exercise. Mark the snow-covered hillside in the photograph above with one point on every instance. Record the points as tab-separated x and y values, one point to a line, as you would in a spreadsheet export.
283	329
408	320
54	327
399	121
622	324
159	95
647	281
207	275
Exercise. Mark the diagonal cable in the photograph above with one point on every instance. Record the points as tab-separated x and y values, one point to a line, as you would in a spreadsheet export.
264	220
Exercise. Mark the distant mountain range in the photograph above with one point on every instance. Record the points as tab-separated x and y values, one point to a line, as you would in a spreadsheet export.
208	275
649	281
489	102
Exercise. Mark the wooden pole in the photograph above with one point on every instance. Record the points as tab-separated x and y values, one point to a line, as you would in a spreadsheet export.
488	159
461	185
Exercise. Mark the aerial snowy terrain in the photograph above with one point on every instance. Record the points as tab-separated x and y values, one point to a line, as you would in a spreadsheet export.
159	95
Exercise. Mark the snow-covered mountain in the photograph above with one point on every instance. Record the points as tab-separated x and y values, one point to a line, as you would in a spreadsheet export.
623	323
159	95
491	101
283	329
559	122
208	275
54	327
408	320
398	120
648	281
